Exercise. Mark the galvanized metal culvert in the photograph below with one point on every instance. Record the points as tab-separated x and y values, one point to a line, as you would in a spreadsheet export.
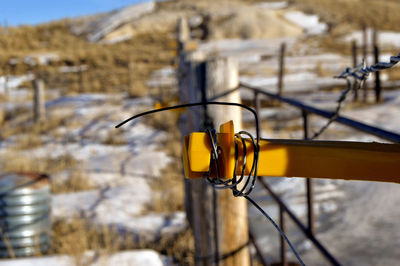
24	215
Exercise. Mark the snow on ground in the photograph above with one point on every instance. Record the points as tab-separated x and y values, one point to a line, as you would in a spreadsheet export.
119	173
121	206
293	83
245	50
13	82
273	5
386	39
310	23
90	258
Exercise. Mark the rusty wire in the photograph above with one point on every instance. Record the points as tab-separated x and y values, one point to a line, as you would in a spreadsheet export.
355	77
361	72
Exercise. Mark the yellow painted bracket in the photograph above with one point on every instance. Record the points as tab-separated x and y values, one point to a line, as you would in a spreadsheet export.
294	158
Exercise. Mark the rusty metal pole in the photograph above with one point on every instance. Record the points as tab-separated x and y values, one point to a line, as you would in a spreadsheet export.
256	103
281	72
283	243
355	62
378	87
309	183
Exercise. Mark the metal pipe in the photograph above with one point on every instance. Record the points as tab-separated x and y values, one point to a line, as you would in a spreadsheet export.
309	183
257	103
381	133
259	254
300	225
283	244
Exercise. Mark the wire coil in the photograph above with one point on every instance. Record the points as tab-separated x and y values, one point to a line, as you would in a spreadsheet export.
234	182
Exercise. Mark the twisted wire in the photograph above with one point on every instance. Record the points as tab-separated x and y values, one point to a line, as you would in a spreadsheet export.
361	72
351	86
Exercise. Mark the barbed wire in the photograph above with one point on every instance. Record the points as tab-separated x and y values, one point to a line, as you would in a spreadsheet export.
351	86
355	77
362	71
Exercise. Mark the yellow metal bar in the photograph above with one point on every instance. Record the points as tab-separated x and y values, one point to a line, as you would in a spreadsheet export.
297	158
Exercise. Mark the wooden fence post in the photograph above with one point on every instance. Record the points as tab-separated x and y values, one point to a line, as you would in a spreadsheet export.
39	108
378	87
183	33
198	194
222	74
281	68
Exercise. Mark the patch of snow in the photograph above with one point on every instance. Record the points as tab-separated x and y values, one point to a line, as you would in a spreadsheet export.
195	21
385	38
12	82
131	258
297	82
273	5
41	58
90	258
310	23
126	200
242	49
78	100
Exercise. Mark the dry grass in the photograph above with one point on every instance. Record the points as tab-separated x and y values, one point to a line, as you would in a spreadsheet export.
107	64
78	235
15	162
168	190
115	138
165	121
28	141
21	123
76	181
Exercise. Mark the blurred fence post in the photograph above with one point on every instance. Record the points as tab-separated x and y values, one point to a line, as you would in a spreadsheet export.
355	62
198	194
281	68
183	33
365	54
378	87
39	108
222	74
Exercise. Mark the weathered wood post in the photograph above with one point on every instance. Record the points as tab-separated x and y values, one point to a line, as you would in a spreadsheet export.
39	108
281	72
183	33
222	74
378	87
365	54
355	62
198	194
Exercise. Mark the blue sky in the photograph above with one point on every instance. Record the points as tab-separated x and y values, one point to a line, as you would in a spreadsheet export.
17	12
